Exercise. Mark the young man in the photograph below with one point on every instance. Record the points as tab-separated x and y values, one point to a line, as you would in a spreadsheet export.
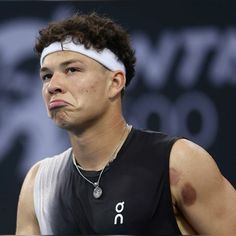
114	179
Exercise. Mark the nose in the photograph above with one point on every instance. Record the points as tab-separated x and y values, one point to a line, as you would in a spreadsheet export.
56	84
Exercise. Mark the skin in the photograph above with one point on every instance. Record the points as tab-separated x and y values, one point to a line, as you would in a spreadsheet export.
84	98
91	94
203	199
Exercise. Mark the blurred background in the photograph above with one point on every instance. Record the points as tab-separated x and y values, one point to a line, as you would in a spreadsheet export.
185	82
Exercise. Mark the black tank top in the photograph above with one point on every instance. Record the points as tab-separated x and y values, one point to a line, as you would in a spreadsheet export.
136	195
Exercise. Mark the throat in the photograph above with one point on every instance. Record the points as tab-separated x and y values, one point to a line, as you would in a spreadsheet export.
94	155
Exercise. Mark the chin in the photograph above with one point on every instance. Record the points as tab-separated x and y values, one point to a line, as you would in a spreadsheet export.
61	119
62	124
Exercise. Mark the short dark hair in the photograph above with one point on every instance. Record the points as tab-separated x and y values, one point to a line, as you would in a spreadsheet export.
91	30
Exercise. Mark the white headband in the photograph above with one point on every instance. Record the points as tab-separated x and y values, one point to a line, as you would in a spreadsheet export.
106	57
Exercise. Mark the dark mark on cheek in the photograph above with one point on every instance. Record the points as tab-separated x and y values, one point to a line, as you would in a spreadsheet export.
189	194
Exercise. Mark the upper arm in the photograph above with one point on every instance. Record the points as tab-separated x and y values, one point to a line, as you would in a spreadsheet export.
205	198
26	220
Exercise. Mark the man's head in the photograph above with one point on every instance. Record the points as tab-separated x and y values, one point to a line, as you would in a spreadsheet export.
92	31
86	61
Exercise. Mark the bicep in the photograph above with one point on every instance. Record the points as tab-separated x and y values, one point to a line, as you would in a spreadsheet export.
26	220
204	196
213	210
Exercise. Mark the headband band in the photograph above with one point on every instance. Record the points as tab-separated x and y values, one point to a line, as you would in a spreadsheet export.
106	57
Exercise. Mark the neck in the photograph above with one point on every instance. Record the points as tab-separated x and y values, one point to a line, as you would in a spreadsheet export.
96	146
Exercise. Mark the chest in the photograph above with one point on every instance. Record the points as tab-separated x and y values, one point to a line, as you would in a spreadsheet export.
128	204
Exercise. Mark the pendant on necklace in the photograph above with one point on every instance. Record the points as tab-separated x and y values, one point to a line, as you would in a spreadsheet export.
97	192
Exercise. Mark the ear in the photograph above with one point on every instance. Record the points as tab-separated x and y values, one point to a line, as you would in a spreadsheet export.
118	81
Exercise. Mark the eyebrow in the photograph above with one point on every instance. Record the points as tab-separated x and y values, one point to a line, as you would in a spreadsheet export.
63	64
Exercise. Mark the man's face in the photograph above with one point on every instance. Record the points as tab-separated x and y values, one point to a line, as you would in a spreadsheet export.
75	89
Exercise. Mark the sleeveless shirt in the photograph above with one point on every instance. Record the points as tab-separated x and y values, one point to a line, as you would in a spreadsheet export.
136	195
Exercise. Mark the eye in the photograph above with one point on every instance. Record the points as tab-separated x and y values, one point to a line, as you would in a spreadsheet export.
46	77
72	69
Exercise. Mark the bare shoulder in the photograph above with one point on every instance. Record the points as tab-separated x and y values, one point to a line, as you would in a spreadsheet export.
26	219
200	191
192	167
28	183
191	159
188	150
32	173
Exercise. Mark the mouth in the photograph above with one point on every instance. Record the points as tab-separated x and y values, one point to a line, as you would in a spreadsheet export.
57	104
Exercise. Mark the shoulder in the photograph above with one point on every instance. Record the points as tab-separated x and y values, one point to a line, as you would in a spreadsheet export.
199	190
154	137
191	165
57	159
26	218
32	173
190	160
29	179
194	175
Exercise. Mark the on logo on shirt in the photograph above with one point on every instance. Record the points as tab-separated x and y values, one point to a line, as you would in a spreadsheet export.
119	219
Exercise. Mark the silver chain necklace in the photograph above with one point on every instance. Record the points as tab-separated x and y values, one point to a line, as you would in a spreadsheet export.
97	192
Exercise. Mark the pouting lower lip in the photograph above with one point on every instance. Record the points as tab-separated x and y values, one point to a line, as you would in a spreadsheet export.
56	104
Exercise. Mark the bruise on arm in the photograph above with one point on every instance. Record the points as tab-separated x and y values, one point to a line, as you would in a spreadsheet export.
174	176
188	194
202	195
